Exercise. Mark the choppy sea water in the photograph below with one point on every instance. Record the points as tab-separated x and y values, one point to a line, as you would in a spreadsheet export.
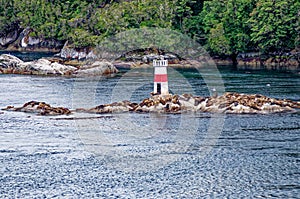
191	155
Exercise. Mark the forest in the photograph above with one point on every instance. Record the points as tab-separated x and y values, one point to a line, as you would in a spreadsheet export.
224	27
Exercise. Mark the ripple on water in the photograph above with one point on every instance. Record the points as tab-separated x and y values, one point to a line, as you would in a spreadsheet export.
256	156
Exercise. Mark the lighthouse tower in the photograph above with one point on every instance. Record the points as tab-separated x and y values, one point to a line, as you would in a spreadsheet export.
160	77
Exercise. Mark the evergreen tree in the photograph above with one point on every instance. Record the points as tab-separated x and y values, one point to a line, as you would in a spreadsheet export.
226	26
275	25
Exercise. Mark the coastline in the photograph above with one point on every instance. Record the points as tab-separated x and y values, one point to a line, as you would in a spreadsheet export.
253	63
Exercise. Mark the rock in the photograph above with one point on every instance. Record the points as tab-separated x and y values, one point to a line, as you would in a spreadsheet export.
68	52
12	64
45	67
9	38
10	34
6	60
233	103
242	103
121	64
254	61
228	103
24	37
21	39
116	107
96	69
41	108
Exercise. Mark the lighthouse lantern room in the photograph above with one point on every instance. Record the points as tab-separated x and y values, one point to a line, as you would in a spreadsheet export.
160	77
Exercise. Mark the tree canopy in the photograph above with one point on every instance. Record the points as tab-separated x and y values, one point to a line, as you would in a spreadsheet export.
224	27
275	25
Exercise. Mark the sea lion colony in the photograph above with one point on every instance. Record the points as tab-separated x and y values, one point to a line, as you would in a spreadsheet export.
41	108
233	103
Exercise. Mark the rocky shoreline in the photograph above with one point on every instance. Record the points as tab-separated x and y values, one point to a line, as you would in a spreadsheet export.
256	62
23	42
10	64
228	103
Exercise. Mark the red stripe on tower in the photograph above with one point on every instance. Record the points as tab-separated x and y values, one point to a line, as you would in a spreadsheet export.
160	78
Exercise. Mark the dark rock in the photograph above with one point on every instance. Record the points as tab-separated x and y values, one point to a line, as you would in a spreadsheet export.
9	34
9	38
18	39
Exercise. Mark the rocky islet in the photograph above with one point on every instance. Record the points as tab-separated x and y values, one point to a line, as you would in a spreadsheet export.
228	103
232	103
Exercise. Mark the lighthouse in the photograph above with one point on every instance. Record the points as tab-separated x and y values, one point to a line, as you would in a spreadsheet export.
160	77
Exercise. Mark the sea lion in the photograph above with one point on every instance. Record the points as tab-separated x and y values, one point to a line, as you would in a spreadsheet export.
187	96
174	99
40	108
133	106
198	100
226	103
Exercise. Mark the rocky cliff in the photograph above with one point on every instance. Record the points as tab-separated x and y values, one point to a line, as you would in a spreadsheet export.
19	39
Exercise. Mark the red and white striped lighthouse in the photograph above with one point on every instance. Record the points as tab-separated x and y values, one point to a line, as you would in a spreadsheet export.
160	77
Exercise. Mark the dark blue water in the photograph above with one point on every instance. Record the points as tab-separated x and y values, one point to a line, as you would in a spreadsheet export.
147	155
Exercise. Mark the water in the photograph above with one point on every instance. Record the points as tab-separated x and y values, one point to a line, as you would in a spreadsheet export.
28	56
147	155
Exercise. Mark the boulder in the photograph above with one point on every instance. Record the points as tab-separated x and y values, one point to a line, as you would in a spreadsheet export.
6	60
97	68
45	67
10	64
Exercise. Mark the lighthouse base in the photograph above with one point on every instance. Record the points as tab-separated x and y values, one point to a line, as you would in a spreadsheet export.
161	88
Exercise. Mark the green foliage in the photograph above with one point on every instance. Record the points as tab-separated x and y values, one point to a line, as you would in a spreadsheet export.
275	25
187	18
84	23
134	14
144	38
225	27
218	42
225	23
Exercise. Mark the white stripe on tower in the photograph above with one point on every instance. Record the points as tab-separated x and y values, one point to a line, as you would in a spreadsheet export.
160	70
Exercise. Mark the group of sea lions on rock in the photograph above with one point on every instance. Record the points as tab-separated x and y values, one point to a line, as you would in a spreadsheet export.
10	64
232	103
116	107
40	108
227	103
